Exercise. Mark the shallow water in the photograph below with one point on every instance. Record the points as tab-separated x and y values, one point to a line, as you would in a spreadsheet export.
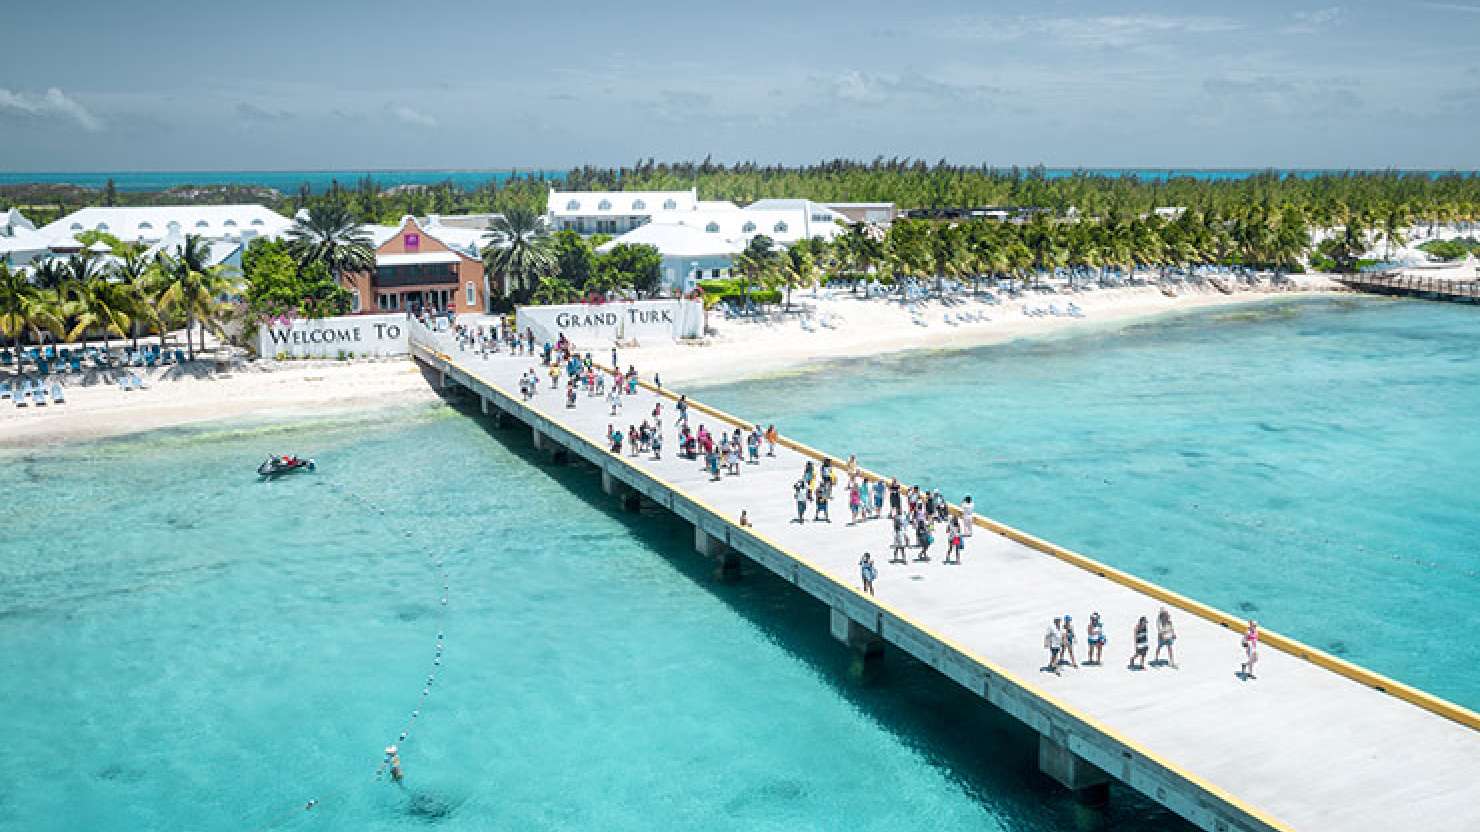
182	647
1309	463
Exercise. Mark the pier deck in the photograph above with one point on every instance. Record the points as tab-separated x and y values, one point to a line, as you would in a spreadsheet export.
1304	746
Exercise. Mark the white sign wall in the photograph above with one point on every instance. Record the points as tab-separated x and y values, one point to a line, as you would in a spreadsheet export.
605	323
357	335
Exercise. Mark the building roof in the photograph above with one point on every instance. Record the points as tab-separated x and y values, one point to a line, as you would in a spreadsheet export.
618	203
155	222
217	251
22	240
677	240
417	258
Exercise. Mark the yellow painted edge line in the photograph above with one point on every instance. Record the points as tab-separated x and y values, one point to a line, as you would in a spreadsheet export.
1452	711
1093	723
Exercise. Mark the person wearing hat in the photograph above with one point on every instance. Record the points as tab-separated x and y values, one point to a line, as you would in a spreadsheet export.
1096	640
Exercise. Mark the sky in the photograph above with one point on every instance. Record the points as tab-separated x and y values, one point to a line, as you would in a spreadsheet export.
275	85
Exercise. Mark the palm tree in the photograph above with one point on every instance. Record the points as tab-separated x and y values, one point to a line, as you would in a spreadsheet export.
519	249
24	307
99	304
331	235
187	285
133	274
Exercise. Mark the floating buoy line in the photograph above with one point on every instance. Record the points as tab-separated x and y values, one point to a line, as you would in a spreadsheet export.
390	762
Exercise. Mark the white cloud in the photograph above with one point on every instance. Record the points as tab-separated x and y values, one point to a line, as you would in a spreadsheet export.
413	117
51	104
1113	31
1308	22
1454	7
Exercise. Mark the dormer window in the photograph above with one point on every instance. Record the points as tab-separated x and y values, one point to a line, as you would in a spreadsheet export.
639	205
146	226
76	226
670	205
712	228
258	221
230	223
604	205
780	228
102	226
202	224
748	228
573	205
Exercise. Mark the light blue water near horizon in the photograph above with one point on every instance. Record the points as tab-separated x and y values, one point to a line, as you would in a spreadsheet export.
319	181
183	647
1309	463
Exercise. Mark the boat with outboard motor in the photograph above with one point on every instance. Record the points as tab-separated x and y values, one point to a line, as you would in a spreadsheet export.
275	466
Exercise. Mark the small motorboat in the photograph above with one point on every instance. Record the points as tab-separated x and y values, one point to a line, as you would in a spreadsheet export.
275	466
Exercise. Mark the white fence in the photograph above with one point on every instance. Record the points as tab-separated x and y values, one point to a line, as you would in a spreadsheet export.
606	323
350	335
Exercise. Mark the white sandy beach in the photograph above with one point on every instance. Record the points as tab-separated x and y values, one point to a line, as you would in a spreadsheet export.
96	408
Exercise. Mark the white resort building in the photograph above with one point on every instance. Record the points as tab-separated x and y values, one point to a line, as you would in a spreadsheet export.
697	238
154	223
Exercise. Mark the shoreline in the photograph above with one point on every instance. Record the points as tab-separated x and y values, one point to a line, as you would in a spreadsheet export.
861	329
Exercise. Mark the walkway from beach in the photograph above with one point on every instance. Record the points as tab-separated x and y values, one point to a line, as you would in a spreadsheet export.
1301	747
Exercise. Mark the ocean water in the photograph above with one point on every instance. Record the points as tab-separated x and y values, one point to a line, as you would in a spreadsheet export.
1309	463
185	648
319	180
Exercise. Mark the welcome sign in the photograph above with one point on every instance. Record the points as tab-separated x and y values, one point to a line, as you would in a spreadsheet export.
349	335
592	324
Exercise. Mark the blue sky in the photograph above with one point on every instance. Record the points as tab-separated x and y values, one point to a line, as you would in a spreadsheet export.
287	85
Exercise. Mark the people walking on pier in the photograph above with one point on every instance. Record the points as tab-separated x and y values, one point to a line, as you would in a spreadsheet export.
809	474
1166	636
1143	639
954	543
1251	649
823	498
683	411
657	442
803	496
753	445
1067	655
897	554
1096	639
894	498
968	515
570	395
924	537
855	502
615	436
1053	641
771	437
867	572
744	519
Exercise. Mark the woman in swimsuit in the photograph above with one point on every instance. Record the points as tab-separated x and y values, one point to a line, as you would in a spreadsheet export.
1096	640
1165	636
867	572
1069	639
1251	648
1143	636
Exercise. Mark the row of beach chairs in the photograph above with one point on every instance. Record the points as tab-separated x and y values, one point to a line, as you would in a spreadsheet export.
50	359
33	392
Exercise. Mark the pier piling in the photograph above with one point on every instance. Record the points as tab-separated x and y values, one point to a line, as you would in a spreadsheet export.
1090	785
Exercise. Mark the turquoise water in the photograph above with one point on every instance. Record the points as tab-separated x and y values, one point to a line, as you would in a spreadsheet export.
182	647
318	180
1308	463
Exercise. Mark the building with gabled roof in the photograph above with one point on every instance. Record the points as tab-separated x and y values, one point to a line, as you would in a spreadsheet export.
416	269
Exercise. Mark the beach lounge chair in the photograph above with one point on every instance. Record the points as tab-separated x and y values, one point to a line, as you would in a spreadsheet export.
75	363
179	356
23	397
58	396
123	384
5	390
139	382
6	358
38	395
43	366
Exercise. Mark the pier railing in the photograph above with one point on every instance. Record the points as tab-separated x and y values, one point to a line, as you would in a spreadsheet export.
443	344
1388	283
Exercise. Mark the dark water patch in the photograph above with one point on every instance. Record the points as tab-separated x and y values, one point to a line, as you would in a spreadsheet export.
766	795
1337	648
431	806
412	612
181	523
120	773
1248	606
1161	571
1269	428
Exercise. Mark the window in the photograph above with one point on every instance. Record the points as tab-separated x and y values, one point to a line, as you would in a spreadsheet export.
639	205
748	228
573	205
201	224
354	302
258	221
472	294
714	273
229	224
102	226
670	205
780	228
604	205
76	226
712	228
819	218
144	226
388	302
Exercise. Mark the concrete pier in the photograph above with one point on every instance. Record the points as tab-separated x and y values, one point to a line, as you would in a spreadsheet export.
726	560
1315	743
631	500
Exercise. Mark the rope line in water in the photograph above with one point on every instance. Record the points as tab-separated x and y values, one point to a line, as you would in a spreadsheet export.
437	562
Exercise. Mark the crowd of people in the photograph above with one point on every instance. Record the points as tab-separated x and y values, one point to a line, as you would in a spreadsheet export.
916	515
